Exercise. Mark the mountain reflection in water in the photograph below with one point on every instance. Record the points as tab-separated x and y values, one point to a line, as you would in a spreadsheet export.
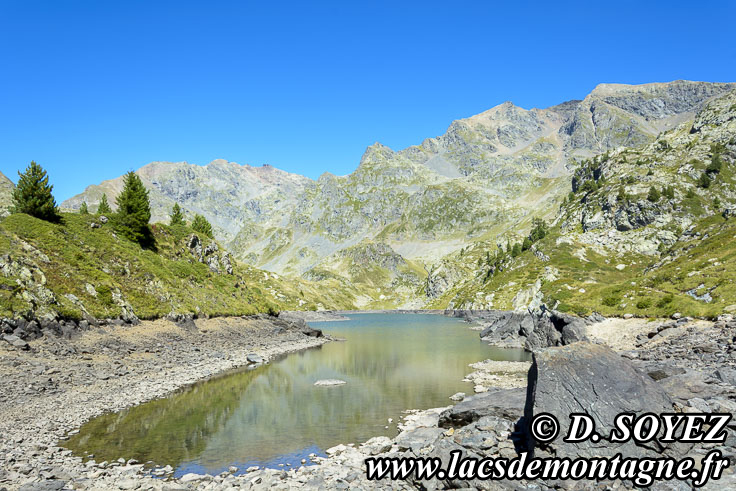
275	415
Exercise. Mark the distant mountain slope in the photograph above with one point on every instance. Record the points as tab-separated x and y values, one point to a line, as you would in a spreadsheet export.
485	178
647	230
228	194
6	194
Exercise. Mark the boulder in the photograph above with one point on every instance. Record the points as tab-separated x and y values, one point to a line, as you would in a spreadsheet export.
503	403
16	342
254	358
726	375
589	378
418	438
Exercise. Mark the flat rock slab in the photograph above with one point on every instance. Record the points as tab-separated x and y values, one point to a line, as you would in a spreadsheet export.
330	382
503	403
590	378
254	358
419	438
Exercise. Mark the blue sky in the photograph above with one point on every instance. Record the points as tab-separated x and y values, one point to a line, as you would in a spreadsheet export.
93	89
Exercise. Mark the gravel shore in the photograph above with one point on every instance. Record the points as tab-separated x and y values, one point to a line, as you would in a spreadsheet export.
59	384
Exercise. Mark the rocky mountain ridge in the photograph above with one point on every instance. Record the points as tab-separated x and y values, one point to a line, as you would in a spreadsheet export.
646	230
485	178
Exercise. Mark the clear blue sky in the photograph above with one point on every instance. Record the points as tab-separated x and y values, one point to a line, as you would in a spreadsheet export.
93	89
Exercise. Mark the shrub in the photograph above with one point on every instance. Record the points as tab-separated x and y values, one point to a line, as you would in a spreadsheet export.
611	301
105	295
644	303
668	192
666	300
653	195
33	195
83	210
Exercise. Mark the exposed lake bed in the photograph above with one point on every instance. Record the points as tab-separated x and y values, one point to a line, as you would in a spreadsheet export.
47	394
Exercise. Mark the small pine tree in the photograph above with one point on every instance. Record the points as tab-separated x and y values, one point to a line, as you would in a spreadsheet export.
177	216
704	181
33	195
201	225
134	209
83	210
716	202
539	230
527	244
516	250
690	193
653	195
103	208
716	164
669	192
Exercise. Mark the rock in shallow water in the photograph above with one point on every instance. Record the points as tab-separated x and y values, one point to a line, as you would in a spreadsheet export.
329	382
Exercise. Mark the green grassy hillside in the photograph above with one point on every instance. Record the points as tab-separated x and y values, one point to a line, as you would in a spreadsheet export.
72	269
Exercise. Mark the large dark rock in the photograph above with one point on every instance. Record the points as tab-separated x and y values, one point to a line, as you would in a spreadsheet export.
534	330
592	379
503	403
510	329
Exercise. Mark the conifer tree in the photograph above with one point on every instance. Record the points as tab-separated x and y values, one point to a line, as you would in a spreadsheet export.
83	210
103	208
704	181
134	209
201	225
653	195
177	216
33	195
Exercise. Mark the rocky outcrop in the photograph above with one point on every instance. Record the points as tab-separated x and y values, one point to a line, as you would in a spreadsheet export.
592	379
217	262
532	330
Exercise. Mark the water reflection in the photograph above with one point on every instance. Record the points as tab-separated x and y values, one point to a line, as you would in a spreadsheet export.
274	414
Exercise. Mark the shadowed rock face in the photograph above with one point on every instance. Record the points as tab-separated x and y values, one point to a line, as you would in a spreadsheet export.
592	379
533	330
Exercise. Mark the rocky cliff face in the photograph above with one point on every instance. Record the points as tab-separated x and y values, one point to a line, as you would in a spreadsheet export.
480	182
6	194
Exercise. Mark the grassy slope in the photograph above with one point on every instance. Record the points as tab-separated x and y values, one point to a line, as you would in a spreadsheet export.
66	257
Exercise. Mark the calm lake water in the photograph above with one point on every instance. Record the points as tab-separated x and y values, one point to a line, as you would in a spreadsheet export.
275	415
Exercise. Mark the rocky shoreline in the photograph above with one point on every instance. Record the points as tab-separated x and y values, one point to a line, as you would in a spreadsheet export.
51	389
52	385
